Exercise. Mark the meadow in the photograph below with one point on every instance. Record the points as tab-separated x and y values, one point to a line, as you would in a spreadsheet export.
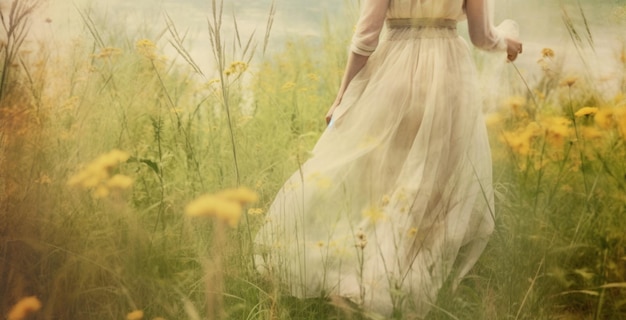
132	183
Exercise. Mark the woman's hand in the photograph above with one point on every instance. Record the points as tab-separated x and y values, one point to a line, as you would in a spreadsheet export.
513	48
329	114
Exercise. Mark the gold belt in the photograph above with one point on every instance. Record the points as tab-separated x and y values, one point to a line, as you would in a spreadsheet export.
422	23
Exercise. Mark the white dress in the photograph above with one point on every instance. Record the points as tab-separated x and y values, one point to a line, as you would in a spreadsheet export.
397	195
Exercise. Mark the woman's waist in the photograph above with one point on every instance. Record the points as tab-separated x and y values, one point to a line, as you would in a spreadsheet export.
421	28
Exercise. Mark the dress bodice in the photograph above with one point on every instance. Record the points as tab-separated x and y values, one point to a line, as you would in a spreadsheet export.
448	9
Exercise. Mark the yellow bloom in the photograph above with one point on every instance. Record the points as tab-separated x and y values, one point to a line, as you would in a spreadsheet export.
135	315
236	67
255	211
320	244
591	133
385	200
520	141
604	118
515	102
412	232
569	81
146	48
547	53
556	129
108	52
289	85
24	307
493	120
374	213
586	111
226	205
119	181
242	195
96	173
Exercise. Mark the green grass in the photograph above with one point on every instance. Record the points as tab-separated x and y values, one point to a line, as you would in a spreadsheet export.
558	251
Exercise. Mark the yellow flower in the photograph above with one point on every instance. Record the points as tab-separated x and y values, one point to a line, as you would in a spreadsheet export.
515	102
591	133
604	118
242	195
108	52
320	244
374	213
146	48
520	141
255	211
547	53
493	120
569	81
24	307
556	129
385	200
236	67
135	315
226	205
586	111
119	181
412	232
97	173
289	85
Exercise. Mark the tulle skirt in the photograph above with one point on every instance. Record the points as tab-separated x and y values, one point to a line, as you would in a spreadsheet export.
397	196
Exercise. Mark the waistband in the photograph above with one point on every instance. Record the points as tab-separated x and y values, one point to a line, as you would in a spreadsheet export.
421	23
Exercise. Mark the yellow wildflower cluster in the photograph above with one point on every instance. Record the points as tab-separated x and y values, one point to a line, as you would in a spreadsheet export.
226	205
146	48
586	111
556	130
24	308
97	175
374	213
520	140
547	53
108	52
235	68
135	315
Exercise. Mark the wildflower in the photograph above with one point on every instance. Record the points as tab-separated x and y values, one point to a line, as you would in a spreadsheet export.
320	244
108	52
569	81
591	133
97	174
146	48
547	53
135	315
242	195
520	141
24	307
412	232
255	211
385	200
515	102
313	77
289	85
493	120
586	111
604	118
226	205
374	213
237	67
361	239
556	130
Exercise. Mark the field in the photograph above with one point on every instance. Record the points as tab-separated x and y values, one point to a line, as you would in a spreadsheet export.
111	153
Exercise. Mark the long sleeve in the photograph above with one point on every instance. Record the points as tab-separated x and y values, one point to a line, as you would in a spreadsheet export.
481	30
371	21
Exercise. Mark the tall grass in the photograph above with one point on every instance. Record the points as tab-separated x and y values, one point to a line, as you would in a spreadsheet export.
104	250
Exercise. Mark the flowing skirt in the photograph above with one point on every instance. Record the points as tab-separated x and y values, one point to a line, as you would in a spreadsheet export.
397	196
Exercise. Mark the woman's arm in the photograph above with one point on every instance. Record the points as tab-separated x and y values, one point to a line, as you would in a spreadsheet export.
485	36
364	42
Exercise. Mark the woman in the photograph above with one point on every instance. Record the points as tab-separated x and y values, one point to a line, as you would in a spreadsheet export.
397	196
